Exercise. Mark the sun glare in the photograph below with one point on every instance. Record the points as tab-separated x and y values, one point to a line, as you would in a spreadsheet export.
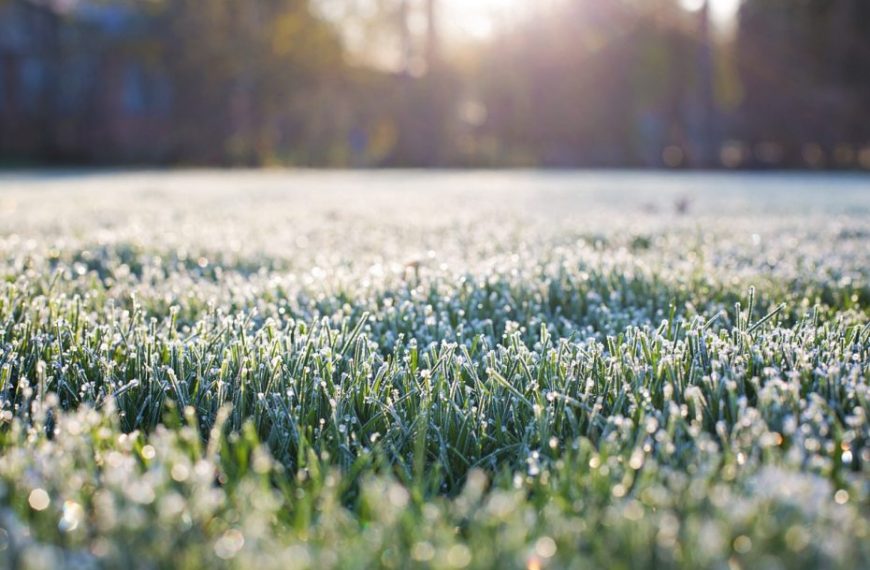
480	18
721	11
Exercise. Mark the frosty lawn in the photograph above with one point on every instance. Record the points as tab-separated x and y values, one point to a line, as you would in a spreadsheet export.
454	371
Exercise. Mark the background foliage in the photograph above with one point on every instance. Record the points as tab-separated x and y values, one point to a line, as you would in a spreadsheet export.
362	83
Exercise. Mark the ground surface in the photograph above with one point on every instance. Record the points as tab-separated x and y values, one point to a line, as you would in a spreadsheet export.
460	370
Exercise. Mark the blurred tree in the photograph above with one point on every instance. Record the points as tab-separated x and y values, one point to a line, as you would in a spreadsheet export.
805	65
240	69
610	82
405	46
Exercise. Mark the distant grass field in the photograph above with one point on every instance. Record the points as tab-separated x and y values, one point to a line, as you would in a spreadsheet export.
451	371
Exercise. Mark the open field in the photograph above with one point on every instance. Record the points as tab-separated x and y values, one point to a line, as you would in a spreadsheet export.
451	371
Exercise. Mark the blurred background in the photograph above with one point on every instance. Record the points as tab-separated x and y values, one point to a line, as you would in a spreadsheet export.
753	84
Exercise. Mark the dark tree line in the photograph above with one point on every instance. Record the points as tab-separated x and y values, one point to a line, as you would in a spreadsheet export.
580	83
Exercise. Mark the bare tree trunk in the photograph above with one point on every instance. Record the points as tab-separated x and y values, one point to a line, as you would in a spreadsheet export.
705	72
432	36
405	40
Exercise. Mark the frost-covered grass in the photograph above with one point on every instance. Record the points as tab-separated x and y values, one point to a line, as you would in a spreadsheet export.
455	371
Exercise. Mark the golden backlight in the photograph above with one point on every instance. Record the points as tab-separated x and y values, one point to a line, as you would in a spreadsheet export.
479	19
